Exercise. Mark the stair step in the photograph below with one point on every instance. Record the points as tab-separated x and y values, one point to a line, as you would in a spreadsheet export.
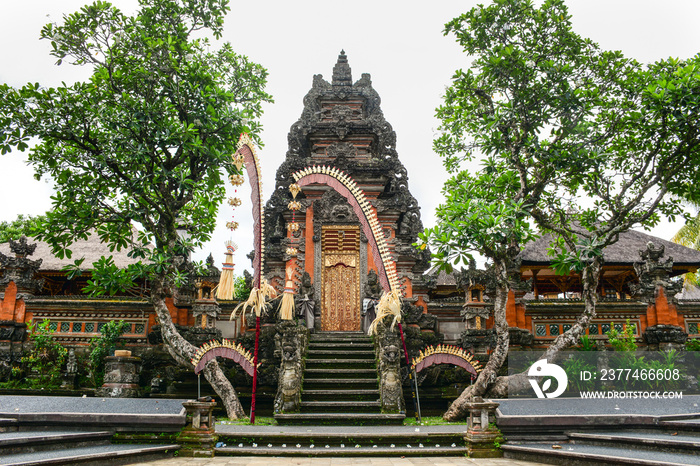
343	361
340	418
351	371
329	338
340	347
348	450
334	406
113	454
351	384
346	354
25	442
330	395
648	441
575	454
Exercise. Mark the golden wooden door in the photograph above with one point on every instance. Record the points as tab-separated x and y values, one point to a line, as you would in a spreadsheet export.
340	256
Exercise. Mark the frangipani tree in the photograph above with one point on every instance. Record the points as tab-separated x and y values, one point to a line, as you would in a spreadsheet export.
551	118
147	141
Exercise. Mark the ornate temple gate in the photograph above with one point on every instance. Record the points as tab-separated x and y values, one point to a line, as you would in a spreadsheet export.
340	256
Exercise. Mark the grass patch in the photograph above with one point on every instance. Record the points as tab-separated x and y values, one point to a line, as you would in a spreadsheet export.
259	421
430	421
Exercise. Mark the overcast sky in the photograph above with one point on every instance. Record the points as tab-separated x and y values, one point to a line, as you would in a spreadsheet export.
399	44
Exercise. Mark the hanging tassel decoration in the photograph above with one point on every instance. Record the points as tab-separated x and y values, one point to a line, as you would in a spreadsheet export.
257	301
286	308
225	289
389	305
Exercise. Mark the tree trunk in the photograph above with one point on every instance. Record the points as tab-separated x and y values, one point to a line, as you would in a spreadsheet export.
488	377
487	384
590	276
183	351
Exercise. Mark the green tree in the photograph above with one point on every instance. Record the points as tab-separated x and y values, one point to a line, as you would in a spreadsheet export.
689	236
553	119
22	225
102	346
46	356
147	140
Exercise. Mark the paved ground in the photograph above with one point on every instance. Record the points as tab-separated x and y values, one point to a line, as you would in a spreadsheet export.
689	404
260	461
17	404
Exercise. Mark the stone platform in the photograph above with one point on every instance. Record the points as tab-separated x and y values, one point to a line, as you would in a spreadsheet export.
338	440
573	431
119	414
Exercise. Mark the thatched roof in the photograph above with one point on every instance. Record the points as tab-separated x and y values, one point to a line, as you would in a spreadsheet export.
624	252
92	250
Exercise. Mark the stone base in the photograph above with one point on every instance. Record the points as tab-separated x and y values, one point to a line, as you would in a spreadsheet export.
118	390
197	443
660	334
484	444
68	382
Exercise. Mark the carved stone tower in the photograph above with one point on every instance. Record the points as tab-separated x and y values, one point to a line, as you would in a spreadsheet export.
343	126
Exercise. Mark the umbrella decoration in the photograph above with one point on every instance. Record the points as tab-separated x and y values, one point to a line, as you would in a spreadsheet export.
246	157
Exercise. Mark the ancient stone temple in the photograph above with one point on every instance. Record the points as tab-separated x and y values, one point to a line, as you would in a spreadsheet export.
342	126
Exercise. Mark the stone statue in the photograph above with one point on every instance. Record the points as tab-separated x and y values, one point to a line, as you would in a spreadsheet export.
72	365
305	303
390	376
373	291
293	345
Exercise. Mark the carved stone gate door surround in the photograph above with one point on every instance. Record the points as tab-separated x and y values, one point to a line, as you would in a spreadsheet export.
340	308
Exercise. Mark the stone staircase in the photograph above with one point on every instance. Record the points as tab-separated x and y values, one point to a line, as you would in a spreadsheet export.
340	383
58	447
665	444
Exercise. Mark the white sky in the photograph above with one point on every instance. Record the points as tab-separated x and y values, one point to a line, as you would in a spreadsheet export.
400	43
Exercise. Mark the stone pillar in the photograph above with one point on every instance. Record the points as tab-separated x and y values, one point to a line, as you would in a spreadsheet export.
658	290
483	438
198	438
121	376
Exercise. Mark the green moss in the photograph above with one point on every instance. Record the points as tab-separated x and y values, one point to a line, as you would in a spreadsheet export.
259	421
429	421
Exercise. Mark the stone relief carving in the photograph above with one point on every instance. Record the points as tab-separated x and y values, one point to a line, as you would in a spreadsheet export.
293	346
20	269
654	273
387	346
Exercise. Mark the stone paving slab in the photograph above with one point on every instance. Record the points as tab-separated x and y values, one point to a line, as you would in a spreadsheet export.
689	404
16	404
593	454
384	461
660	435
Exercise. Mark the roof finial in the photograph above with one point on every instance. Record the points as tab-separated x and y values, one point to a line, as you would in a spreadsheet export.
342	75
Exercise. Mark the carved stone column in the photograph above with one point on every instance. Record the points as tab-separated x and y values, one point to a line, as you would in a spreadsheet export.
656	288
121	377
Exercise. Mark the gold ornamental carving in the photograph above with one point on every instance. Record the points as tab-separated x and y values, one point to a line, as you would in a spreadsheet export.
341	278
